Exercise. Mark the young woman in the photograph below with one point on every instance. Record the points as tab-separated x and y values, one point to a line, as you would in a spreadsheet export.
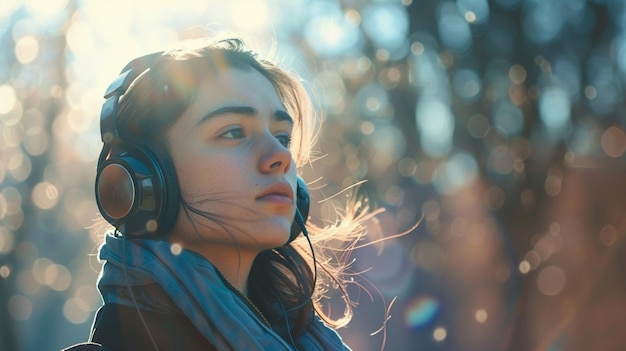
198	177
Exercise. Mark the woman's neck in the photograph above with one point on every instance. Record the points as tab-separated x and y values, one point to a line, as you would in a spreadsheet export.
233	263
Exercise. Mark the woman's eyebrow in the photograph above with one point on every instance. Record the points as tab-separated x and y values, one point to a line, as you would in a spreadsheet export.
279	115
226	110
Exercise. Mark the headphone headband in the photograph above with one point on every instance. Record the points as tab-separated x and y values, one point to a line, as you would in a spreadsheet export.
117	88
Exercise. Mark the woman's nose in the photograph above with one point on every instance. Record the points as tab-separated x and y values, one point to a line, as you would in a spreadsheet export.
275	157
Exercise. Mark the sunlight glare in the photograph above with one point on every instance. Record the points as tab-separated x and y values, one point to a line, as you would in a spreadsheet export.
249	16
7	7
43	8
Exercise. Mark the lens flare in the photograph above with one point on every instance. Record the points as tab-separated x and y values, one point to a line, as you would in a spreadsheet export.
421	311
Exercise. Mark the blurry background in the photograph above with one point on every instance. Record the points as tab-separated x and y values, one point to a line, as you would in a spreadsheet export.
500	121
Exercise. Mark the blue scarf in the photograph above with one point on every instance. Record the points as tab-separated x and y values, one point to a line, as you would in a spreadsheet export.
196	288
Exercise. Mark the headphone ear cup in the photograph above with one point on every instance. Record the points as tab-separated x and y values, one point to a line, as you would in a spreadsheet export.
137	190
303	203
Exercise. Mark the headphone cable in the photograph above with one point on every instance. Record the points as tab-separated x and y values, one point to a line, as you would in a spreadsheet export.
300	221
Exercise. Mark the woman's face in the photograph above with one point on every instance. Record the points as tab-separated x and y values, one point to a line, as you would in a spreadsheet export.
231	153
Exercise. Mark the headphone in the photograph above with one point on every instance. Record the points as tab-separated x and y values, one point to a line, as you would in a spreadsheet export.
136	184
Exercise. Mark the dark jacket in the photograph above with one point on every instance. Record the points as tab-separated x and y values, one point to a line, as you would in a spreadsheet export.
120	328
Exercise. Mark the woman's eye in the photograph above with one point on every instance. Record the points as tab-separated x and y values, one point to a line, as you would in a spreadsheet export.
285	140
235	133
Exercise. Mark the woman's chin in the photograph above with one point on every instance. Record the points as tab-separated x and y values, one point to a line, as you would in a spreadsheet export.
273	233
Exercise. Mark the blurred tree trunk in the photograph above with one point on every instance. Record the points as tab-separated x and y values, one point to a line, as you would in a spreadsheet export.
582	241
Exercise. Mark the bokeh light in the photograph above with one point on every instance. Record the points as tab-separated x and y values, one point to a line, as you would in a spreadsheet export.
329	32
386	24
500	124
436	126
458	171
453	28
551	280
440	334
7	102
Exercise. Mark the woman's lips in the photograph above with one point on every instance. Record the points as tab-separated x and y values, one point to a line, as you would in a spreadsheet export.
280	193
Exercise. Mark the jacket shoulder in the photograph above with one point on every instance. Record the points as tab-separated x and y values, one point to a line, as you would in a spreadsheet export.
120	328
